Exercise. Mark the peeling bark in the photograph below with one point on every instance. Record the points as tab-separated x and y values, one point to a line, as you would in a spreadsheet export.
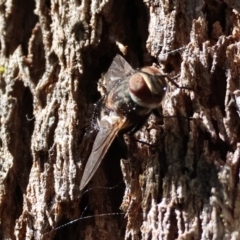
183	184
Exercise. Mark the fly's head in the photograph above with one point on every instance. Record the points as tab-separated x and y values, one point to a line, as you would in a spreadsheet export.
148	87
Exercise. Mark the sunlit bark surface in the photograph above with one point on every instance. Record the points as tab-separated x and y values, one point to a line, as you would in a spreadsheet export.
180	182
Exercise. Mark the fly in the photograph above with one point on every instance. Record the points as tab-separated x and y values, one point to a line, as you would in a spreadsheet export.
131	97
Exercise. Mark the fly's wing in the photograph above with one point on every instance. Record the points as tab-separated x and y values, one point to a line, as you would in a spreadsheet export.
109	128
118	70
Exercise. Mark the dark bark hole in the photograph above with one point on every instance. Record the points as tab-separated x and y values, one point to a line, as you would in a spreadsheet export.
215	11
23	19
18	201
220	146
70	231
21	133
37	61
29	20
207	176
135	20
218	89
78	2
27	110
80	31
48	4
173	230
95	63
173	62
42	157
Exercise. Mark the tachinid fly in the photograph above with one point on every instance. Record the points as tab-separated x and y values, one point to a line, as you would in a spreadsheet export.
131	96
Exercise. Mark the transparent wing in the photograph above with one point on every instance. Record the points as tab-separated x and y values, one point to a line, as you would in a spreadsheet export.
119	69
109	128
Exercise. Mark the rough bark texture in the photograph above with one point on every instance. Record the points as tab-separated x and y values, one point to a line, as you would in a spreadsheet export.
184	186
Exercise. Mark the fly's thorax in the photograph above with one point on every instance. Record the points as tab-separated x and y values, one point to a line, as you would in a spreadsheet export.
148	87
119	100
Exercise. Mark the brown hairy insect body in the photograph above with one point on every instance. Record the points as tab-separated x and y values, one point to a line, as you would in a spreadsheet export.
131	96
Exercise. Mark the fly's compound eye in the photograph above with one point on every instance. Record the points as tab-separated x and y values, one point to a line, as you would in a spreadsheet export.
147	90
138	87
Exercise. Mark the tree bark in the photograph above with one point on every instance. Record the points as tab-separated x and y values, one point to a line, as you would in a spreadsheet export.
179	180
